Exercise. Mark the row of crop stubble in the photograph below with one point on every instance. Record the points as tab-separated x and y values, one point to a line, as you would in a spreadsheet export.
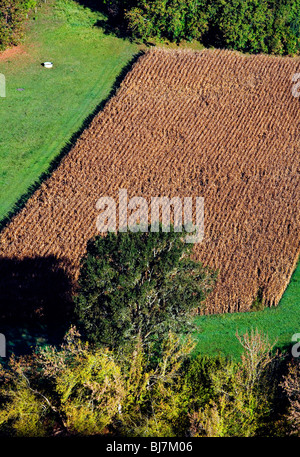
215	124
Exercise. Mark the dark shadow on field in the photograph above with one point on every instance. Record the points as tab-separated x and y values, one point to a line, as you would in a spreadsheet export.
35	302
69	145
22	339
113	24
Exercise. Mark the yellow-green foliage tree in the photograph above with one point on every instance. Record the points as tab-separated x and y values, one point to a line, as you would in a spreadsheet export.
152	405
80	389
73	389
240	392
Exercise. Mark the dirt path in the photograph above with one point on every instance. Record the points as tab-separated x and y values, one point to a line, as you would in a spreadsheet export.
12	52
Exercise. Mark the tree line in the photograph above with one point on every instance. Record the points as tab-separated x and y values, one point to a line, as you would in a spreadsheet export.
254	26
83	389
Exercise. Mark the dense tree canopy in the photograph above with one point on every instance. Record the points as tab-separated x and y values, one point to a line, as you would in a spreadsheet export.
270	26
139	285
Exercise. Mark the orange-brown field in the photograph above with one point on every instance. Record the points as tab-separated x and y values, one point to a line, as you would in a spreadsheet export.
212	123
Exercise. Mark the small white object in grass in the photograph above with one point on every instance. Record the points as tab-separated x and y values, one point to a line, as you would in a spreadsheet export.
48	64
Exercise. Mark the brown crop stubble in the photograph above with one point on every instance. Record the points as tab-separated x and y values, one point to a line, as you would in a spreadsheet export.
212	123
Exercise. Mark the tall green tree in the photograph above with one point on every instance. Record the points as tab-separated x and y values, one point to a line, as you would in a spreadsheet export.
139	285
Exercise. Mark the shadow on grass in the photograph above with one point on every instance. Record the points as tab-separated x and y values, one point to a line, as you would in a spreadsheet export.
35	302
113	24
19	205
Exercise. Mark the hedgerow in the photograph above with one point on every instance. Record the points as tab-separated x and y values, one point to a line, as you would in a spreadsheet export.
269	26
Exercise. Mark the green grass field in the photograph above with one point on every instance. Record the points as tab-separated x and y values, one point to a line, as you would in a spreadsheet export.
216	334
38	122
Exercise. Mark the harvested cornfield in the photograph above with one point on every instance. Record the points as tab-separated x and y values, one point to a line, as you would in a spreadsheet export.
215	124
